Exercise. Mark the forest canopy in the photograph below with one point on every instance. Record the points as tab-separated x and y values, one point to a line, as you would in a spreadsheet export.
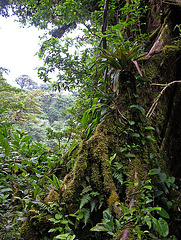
115	170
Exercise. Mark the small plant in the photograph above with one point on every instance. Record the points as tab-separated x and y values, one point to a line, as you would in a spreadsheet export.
91	202
141	220
62	224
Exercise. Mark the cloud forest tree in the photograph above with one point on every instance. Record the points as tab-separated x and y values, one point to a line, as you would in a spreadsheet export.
25	82
128	160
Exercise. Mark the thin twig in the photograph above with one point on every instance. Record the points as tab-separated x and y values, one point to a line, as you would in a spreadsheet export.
123	117
153	106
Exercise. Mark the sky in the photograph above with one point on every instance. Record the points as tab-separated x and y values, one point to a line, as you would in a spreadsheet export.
18	47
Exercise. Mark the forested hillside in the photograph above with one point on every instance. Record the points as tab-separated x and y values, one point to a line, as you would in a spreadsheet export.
114	172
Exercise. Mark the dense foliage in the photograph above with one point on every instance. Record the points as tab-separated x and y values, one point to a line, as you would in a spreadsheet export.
108	176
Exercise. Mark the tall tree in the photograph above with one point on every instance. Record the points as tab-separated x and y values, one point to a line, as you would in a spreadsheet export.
25	82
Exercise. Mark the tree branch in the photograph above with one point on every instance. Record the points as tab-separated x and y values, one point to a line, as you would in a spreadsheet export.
153	106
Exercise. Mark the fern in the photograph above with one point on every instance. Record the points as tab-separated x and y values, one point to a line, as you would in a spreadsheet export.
43	206
118	177
85	199
84	215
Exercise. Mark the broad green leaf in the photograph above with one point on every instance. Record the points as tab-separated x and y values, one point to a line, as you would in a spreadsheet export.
118	225
149	128
85	118
98	228
148	221
163	213
141	109
53	220
6	190
64	221
154	209
125	210
161	226
152	172
107	215
58	216
148	187
16	137
26	139
150	138
117	26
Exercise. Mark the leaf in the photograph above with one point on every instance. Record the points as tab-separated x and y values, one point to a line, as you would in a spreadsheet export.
107	215
163	213
152	172
148	187
117	26
154	209
93	204
98	228
131	122
141	109
161	226
26	139
109	227
85	118
137	135
129	155
56	182
125	210
149	128
148	221
58	216
16	137
85	199
150	138
118	225
112	158
53	220
64	221
6	190
86	215
66	236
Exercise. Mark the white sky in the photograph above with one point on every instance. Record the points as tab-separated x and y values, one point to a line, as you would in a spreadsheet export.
17	49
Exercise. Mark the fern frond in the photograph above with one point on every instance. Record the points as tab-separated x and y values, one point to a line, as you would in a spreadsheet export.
42	205
85	199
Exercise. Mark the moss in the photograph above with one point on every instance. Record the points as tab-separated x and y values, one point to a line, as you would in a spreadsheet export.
93	161
53	196
27	232
171	50
152	70
113	198
96	178
137	174
35	227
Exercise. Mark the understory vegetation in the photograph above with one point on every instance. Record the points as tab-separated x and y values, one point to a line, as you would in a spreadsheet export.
103	160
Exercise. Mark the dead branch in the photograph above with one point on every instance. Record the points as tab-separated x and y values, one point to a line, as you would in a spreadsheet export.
155	103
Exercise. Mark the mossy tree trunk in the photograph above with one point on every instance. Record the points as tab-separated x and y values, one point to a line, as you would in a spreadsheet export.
93	166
